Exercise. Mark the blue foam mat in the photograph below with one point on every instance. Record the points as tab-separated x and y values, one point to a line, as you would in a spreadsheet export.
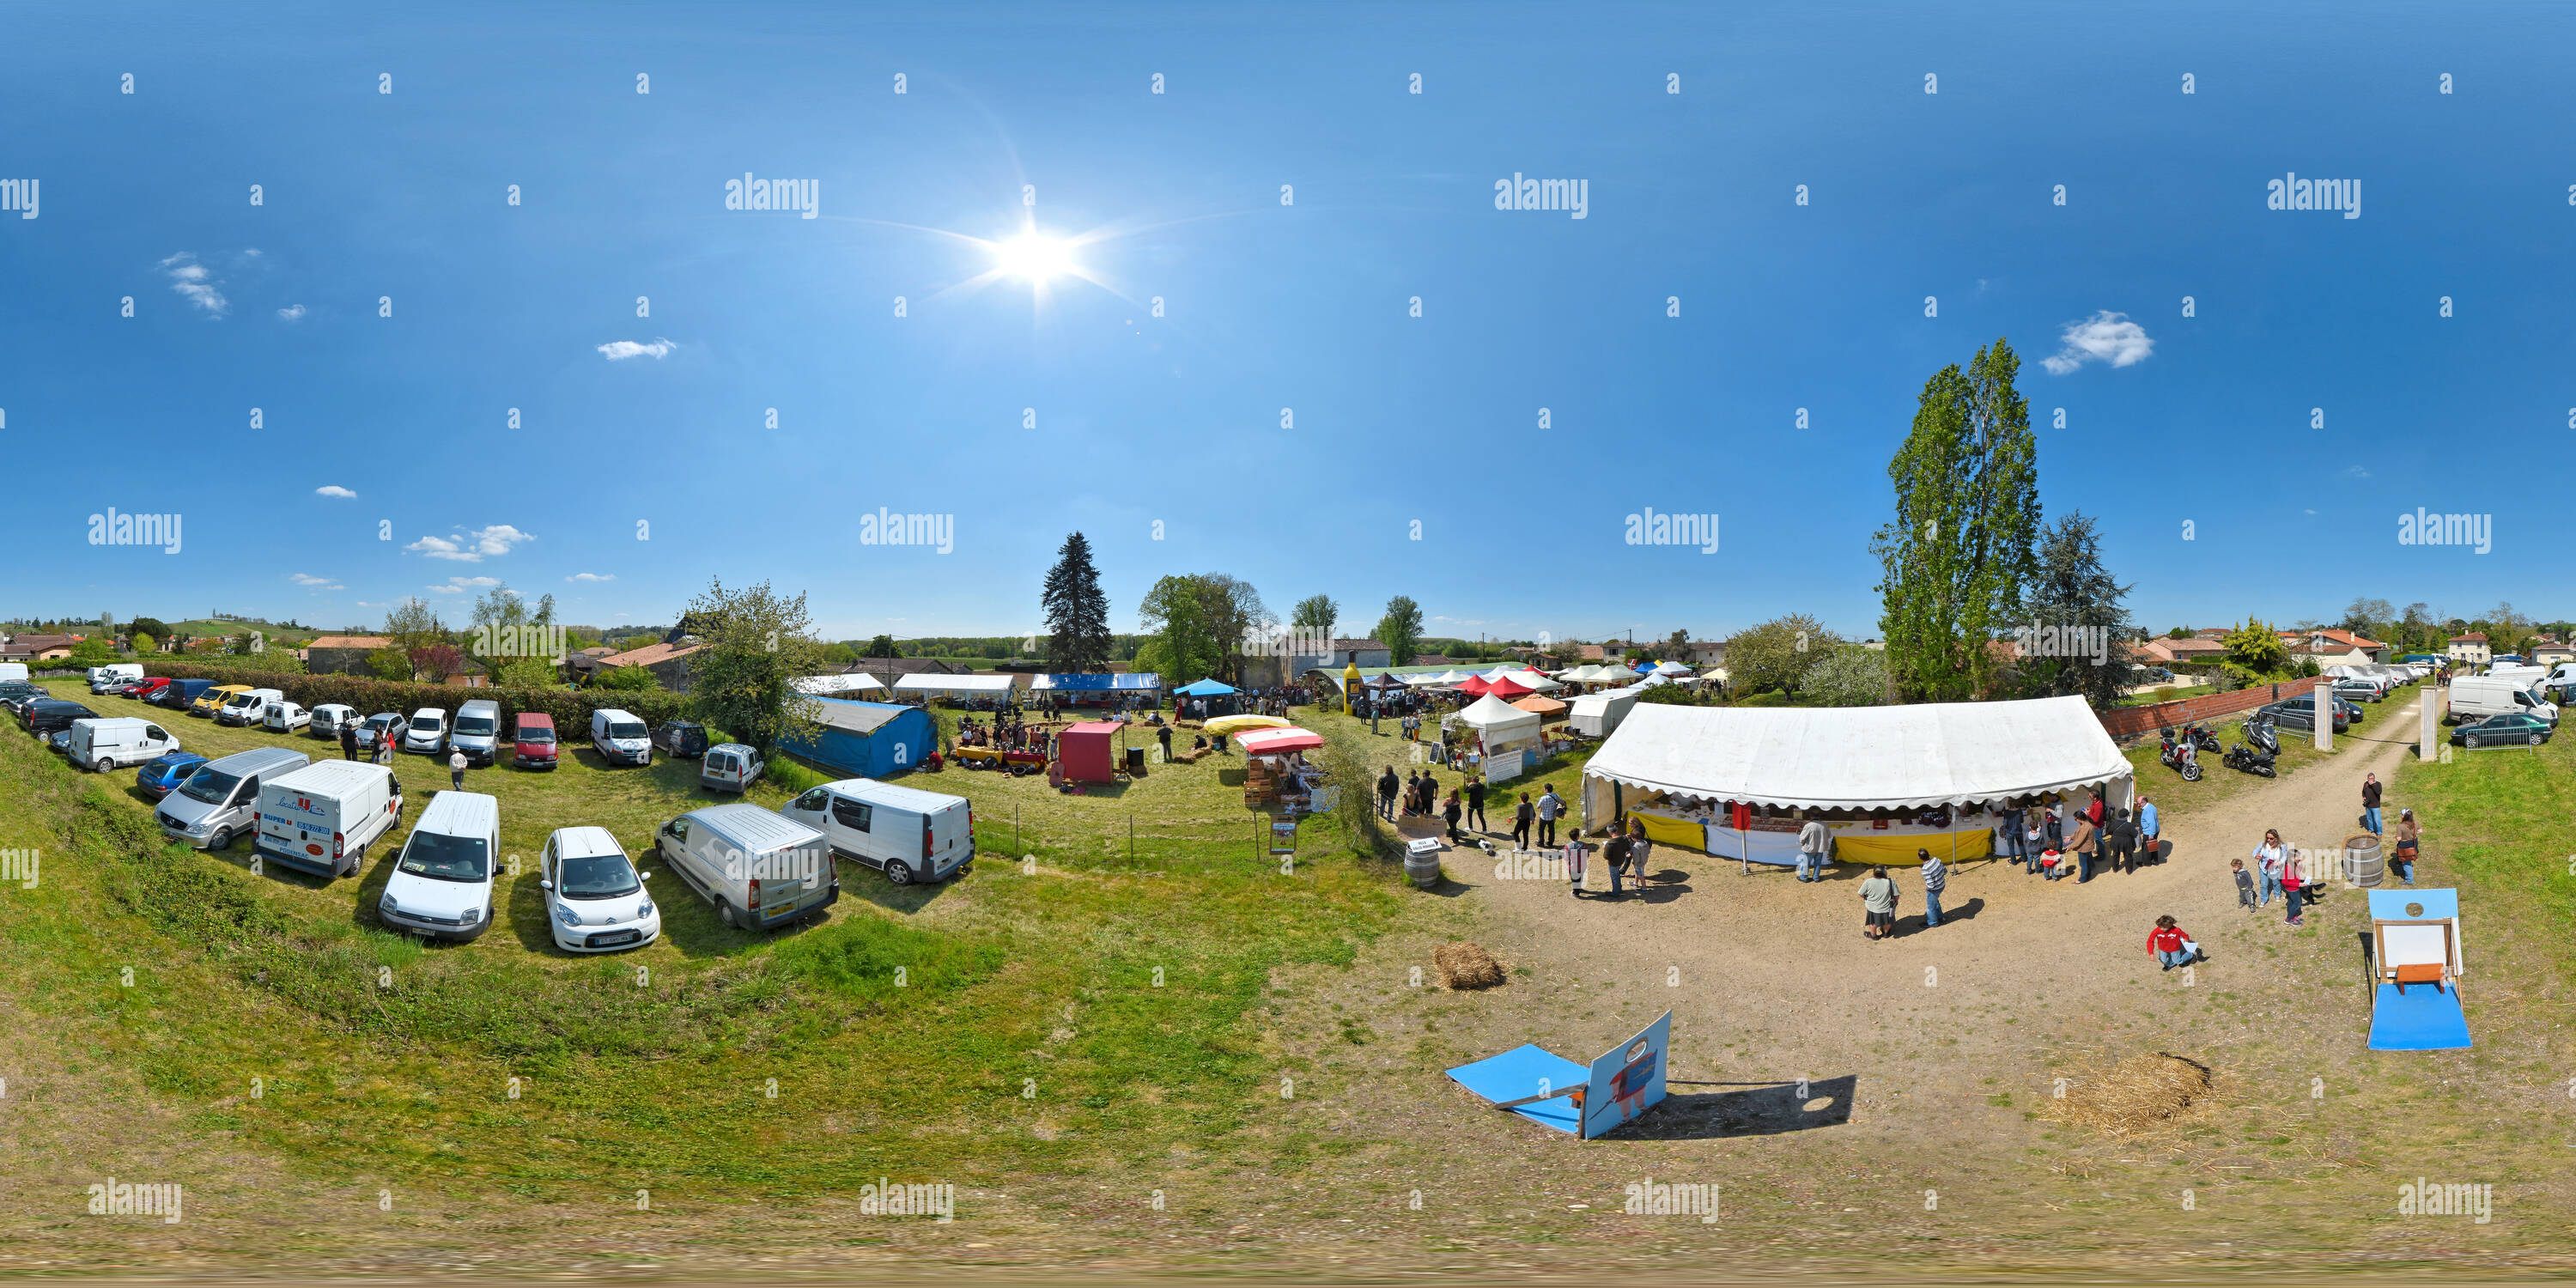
2423	1018
1517	1073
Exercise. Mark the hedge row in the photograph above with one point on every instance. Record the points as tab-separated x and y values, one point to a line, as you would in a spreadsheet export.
570	708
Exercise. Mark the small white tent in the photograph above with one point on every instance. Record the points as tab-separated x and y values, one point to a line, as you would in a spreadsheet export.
1534	681
1596	714
1502	725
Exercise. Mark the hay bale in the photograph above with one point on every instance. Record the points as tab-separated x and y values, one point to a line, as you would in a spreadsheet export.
2138	1095
1466	965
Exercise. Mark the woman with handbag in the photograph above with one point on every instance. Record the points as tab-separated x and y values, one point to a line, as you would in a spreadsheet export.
2409	833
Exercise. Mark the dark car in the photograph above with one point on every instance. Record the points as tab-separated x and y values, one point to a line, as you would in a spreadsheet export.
161	777
19	693
2301	712
59	741
681	738
2512	729
179	695
51	715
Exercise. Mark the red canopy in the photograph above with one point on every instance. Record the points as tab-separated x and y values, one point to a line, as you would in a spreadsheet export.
1475	684
1276	742
1506	687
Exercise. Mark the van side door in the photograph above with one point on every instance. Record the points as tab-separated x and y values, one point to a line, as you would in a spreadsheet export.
852	822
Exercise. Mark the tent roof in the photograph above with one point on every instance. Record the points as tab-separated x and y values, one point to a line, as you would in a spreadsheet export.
1098	682
1600	702
1534	681
1508	687
1862	757
925	682
1273	742
1537	705
845	683
1205	689
1100	727
858	717
1490	712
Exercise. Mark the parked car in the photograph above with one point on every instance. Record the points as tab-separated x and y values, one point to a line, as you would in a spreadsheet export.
182	695
478	731
2301	713
729	767
441	885
532	742
759	869
618	737
113	673
595	900
285	716
426	731
147	689
2475	697
909	834
164	775
2512	729
381	729
249	707
218	801
2359	690
681	738
321	818
212	700
52	715
15	696
58	742
105	744
331	717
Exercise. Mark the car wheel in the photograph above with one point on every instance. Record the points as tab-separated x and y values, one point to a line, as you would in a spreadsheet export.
2471	740
2535	740
222	840
726	914
898	872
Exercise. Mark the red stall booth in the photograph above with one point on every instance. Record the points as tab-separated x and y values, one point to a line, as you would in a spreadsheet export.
1089	752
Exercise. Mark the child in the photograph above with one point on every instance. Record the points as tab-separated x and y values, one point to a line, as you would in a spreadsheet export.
2049	864
1577	859
2244	885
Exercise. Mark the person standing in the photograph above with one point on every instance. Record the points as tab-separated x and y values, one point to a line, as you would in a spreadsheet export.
2093	812
1577	858
1476	805
456	770
2034	838
2122	837
2147	828
2269	858
1638	850
348	739
2008	836
2370	803
2055	819
1549	807
1615	856
2244	884
1878	905
1450	810
2081	845
2294	883
1812	840
1522	816
2409	834
2168	944
1935	877
1165	734
1386	786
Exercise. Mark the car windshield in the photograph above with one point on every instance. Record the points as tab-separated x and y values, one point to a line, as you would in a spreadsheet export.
210	786
625	729
597	876
429	723
475	725
537	733
240	700
447	858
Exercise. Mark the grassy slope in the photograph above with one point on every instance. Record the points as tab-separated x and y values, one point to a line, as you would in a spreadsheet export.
664	1084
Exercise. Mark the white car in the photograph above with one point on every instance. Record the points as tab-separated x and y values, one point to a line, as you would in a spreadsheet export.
426	732
595	900
286	717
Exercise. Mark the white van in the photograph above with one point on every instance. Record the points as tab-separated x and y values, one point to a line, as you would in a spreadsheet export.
13	673
620	737
2475	697
248	707
909	834
322	818
441	886
425	732
217	802
478	731
286	717
730	767
331	717
104	744
115	671
757	868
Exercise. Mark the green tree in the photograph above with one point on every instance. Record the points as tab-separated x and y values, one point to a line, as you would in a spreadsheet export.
2256	655
414	624
1184	647
1778	654
1850	676
91	652
152	626
631	679
390	663
1315	615
1400	629
881	646
528	673
2074	590
758	643
839	654
1077	613
1235	612
1962	545
145	643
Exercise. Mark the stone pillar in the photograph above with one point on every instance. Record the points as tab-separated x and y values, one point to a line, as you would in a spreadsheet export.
2323	694
2430	746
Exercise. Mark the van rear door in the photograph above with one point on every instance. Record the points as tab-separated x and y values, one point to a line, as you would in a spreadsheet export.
297	824
786	881
952	835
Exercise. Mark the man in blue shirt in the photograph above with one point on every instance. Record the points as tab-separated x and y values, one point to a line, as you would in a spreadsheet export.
2147	851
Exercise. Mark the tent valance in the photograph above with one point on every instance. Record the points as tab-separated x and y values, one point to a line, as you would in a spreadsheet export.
928	683
1206	689
1898	757
1098	682
852	683
1275	742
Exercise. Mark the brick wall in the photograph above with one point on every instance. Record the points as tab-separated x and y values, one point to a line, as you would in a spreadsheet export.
2131	722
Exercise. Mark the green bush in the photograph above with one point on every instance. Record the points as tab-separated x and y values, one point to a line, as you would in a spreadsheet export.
570	709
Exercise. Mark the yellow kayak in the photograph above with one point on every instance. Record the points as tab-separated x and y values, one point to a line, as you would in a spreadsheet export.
1232	725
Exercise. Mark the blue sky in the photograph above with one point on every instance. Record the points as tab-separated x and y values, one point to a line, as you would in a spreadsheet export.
1176	419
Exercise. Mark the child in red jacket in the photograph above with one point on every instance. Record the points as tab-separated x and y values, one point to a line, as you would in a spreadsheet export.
2170	945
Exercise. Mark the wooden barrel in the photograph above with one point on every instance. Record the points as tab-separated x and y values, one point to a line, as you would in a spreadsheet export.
1423	869
2363	863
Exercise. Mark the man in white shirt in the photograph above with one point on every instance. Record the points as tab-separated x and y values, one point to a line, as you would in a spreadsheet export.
1812	841
1550	805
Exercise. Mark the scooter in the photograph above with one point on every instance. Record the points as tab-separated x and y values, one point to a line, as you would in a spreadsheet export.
2170	752
2252	760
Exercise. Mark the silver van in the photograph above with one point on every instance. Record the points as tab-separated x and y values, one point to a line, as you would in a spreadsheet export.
759	869
477	731
217	802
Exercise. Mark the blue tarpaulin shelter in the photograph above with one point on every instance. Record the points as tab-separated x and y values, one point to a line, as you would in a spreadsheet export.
866	739
1098	682
1206	689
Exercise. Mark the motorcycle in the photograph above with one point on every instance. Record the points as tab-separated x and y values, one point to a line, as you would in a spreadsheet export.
2201	737
2263	736
2252	760
2171	753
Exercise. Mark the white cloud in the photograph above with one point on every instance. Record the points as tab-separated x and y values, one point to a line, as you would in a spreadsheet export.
2104	337
334	489
461	585
621	350
194	284
308	579
2355	472
291	312
592	576
465	548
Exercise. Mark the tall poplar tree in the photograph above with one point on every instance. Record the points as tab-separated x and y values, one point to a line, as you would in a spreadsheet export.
1963	545
1077	614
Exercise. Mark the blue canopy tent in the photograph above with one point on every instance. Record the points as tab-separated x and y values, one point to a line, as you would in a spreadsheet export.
1206	698
1100	688
865	739
1206	689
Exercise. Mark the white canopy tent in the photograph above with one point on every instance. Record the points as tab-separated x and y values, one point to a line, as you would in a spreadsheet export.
1534	681
1673	669
1595	715
854	683
1502	725
953	684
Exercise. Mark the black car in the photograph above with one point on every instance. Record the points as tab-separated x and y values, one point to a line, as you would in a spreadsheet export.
681	738
2511	729
2301	713
49	715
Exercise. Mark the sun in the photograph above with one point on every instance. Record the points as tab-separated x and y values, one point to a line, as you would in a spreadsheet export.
1034	257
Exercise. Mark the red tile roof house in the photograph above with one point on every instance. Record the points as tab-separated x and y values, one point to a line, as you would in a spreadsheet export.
2334	648
669	663
342	654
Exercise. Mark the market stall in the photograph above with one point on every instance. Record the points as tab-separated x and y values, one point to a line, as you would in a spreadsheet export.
926	685
1735	781
1494	726
1205	698
1595	715
1275	771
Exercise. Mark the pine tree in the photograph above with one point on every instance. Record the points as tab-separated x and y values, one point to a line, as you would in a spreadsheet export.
1077	614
